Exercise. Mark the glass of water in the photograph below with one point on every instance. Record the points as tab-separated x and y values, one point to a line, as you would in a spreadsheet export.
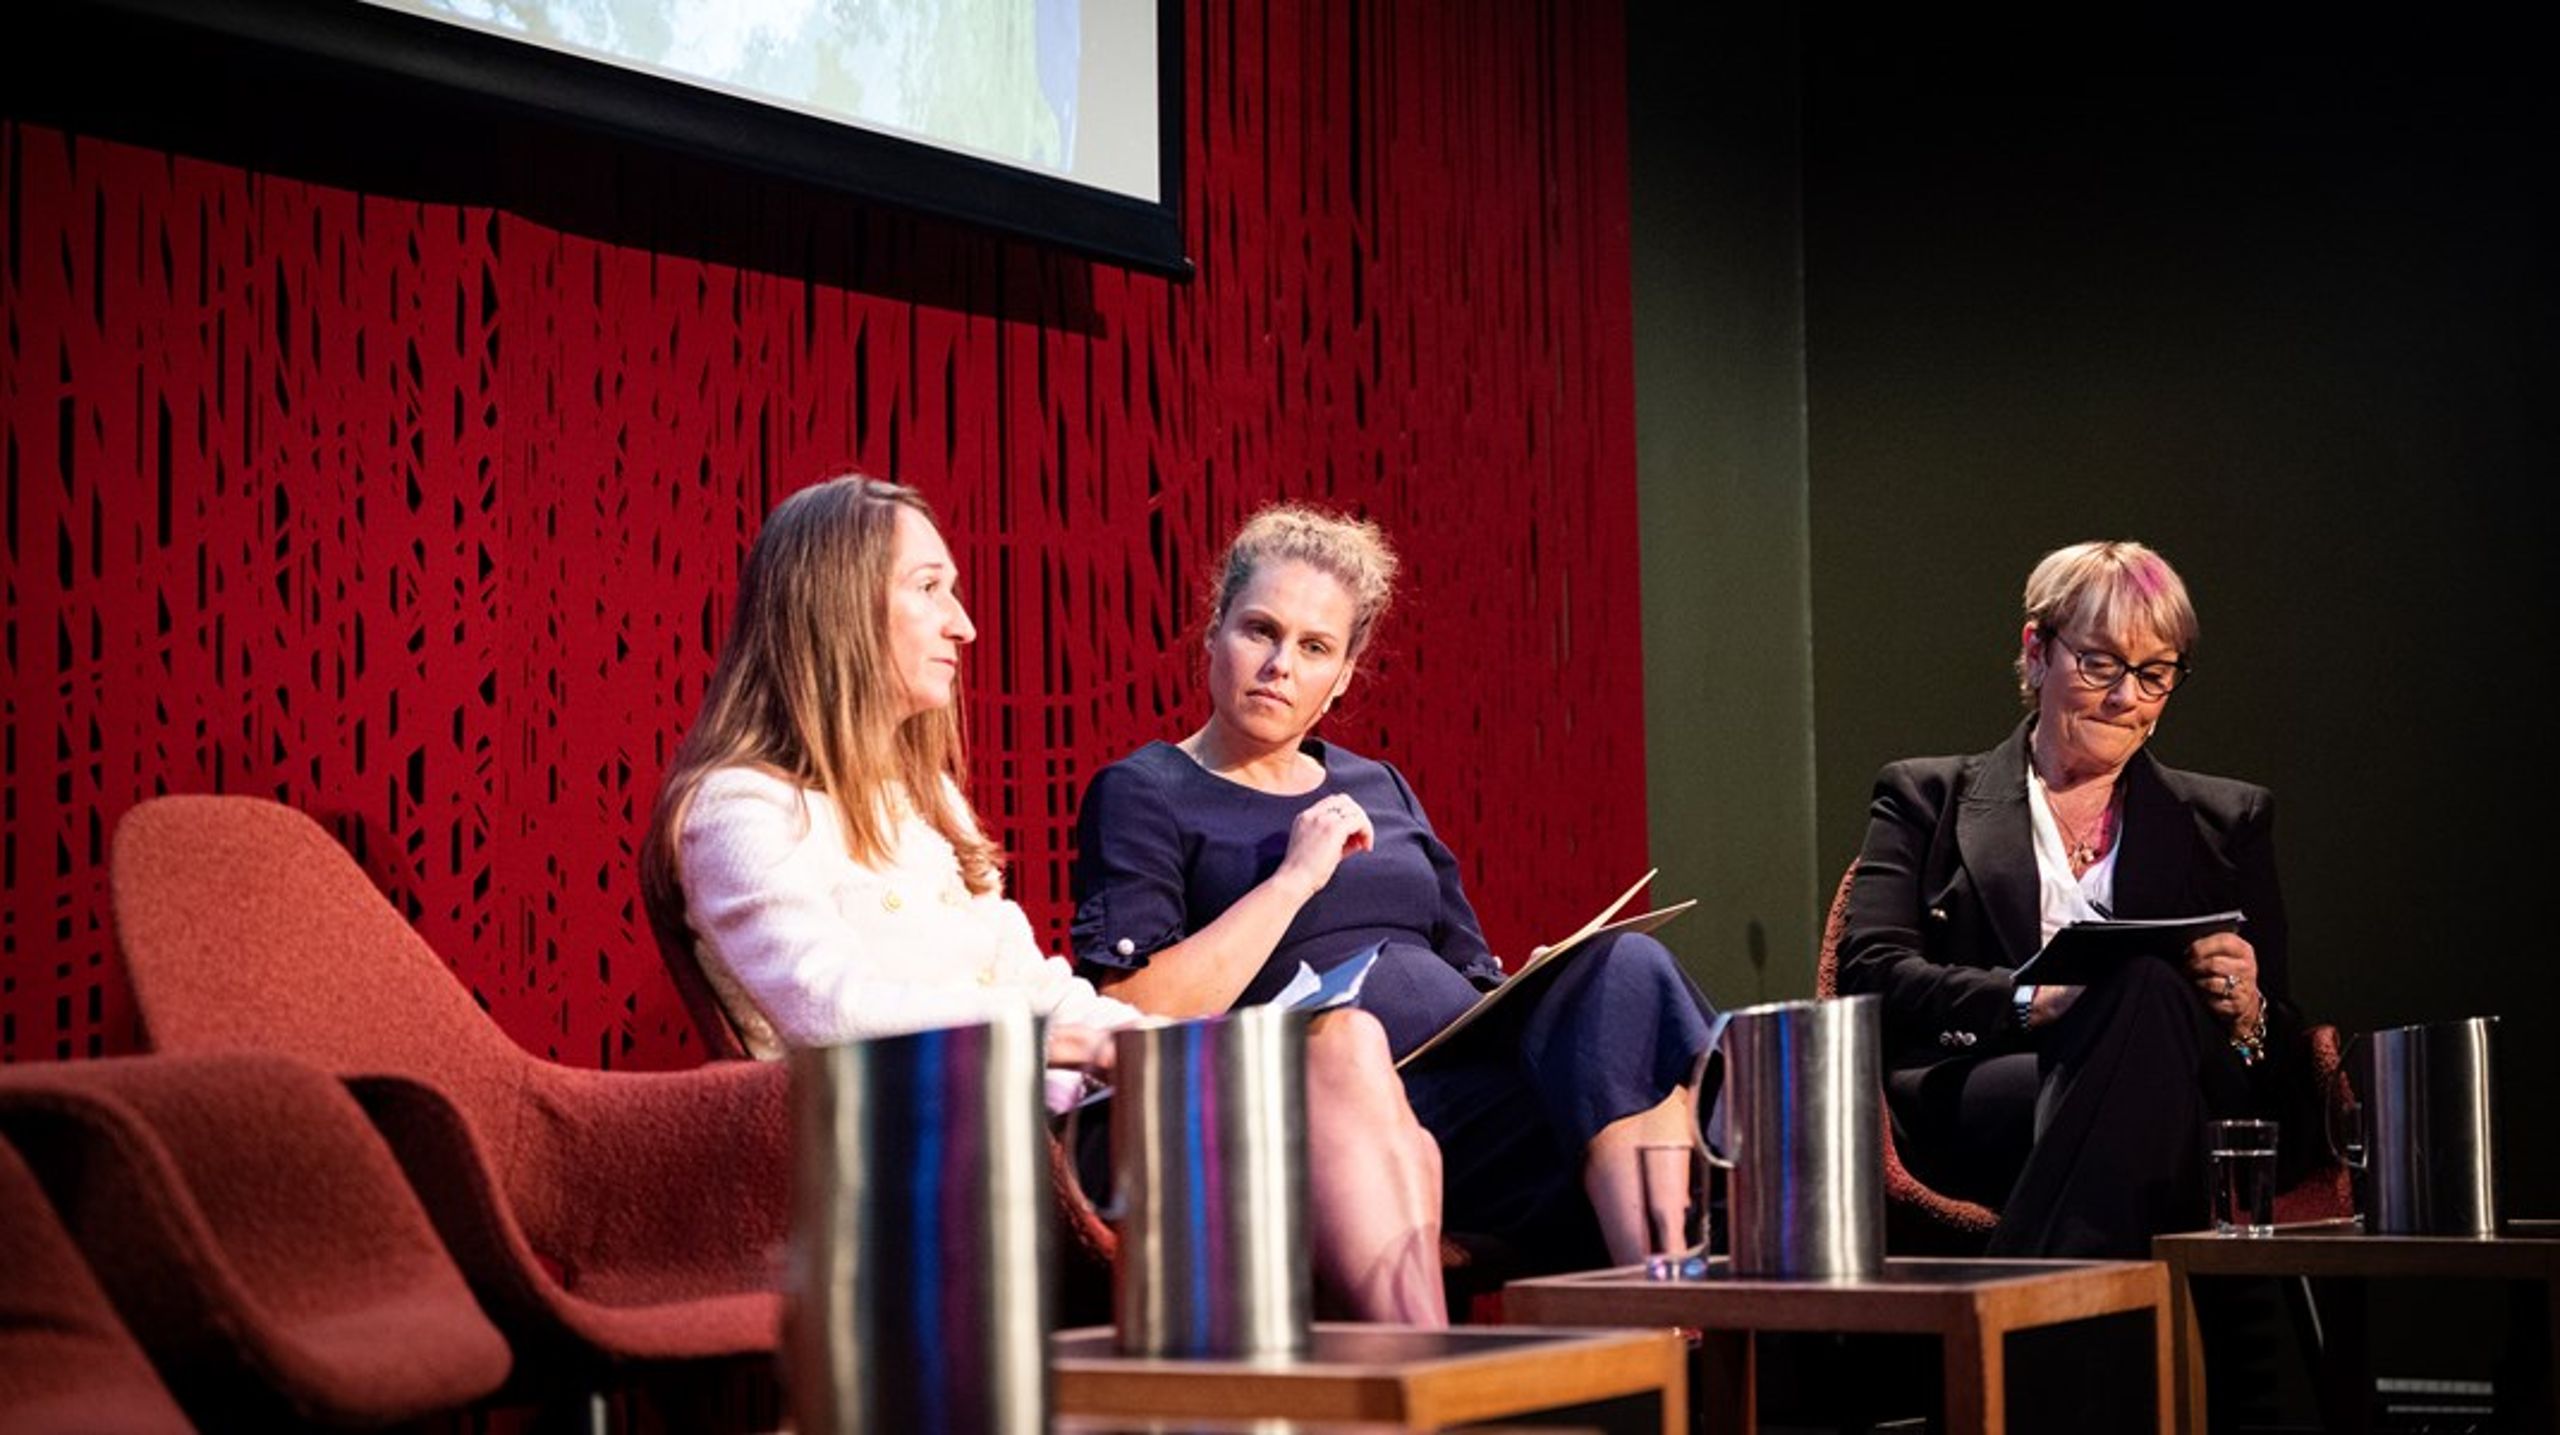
2244	1177
1672	1180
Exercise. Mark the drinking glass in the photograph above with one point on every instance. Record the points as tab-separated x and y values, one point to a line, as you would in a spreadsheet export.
1672	1181
2244	1177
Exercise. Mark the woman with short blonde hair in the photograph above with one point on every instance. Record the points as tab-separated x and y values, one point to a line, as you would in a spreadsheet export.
2076	1111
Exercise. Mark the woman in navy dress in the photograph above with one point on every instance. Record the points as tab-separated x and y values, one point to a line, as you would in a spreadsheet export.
1209	869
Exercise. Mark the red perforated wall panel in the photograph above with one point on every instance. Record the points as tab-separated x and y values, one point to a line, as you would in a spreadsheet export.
418	516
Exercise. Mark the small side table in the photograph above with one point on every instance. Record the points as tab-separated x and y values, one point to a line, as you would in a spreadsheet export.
2528	1251
1392	1375
1970	1305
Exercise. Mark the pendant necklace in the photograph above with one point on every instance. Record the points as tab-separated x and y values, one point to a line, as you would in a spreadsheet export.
2082	851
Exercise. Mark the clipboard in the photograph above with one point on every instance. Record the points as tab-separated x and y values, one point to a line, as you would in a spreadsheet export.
2082	952
1543	957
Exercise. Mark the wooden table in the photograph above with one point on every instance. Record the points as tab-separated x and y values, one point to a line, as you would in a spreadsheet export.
1203	1425
1970	1305
2529	1252
1393	1375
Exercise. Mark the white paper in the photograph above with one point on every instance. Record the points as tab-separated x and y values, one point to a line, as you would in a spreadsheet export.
1313	991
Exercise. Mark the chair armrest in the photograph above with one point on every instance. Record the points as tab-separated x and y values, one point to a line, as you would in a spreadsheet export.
668	1185
2318	1186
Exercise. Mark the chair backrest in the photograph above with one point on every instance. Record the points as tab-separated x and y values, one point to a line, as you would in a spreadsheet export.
244	925
571	1197
719	1035
1826	967
67	1362
244	1217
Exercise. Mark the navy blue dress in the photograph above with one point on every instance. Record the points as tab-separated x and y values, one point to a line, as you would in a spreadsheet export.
1164	847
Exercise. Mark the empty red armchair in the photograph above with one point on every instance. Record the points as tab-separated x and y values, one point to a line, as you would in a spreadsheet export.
254	1235
67	1364
603	1217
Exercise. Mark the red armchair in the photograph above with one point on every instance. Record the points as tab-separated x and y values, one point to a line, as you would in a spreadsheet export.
604	1218
68	1366
1929	1219
255	1236
1934	1220
1087	1244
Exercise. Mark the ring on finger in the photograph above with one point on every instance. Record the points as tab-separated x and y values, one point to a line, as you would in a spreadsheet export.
2230	984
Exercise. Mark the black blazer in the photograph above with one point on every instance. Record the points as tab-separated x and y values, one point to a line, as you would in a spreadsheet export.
1944	904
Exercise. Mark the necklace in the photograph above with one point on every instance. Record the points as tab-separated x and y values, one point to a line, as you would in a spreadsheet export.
2083	851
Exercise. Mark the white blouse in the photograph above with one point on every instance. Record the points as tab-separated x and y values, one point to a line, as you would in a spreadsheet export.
2088	897
807	947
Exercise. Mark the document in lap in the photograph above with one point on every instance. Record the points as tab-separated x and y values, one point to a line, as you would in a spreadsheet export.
1540	968
1313	991
1309	991
2082	952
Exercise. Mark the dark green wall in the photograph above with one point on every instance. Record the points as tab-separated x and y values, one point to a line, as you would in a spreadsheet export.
1720	444
2282	305
1918	302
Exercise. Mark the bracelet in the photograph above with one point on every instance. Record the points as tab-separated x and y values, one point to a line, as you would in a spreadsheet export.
2249	1038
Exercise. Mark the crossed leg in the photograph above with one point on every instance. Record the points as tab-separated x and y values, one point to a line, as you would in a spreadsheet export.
1373	1179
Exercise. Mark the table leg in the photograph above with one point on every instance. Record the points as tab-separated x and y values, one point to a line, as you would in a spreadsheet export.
2345	1384
2165	1407
1975	1371
1726	1396
2187	1337
2551	1333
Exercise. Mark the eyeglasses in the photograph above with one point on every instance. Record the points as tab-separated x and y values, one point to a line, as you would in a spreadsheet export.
2100	671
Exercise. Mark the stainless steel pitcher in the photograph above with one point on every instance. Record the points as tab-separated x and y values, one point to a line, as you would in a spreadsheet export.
2426	1152
917	1292
1209	1165
1803	1089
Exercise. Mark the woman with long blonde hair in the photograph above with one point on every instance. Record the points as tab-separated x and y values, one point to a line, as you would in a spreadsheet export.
814	848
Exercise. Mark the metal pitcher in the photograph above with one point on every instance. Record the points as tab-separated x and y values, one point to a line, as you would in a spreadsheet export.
1209	1168
2425	1137
917	1291
1803	1086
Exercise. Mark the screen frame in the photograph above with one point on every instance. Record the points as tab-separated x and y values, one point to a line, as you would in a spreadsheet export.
733	130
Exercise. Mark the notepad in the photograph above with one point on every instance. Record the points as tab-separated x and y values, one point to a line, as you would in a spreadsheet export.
1538	970
2082	952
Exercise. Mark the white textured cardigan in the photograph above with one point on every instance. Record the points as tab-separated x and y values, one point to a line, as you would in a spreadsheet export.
808	947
